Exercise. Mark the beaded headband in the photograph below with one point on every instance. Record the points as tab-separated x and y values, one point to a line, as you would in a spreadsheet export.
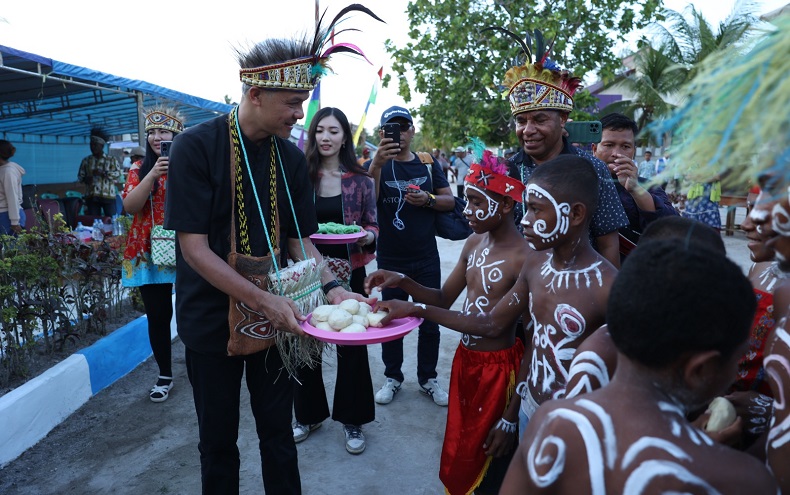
293	74
158	119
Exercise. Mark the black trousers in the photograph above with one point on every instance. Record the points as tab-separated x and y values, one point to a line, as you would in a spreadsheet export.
353	401
216	386
158	302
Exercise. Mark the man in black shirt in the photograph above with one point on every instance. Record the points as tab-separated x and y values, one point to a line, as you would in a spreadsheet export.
199	208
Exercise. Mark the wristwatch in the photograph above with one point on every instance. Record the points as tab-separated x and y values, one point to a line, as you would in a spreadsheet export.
330	285
431	201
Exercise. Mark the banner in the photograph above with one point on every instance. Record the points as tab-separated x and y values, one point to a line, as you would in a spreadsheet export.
371	100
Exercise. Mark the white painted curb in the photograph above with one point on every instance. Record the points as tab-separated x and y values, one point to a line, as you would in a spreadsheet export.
29	412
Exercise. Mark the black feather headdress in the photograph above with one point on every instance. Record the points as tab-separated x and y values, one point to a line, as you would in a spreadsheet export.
307	60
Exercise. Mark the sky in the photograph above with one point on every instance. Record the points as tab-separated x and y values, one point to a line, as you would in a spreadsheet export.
188	46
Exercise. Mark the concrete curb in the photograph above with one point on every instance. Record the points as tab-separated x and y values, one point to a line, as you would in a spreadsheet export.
29	412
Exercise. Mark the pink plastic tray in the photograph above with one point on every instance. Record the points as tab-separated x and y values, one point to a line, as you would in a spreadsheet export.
338	238
375	335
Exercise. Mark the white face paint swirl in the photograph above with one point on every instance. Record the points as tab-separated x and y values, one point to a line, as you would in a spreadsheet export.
562	211
780	220
480	215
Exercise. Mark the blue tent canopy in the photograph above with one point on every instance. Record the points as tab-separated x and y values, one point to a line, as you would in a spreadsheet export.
47	109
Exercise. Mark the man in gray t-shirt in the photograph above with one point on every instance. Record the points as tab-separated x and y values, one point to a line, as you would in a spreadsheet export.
462	162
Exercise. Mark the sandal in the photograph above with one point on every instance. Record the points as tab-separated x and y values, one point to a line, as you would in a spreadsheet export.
159	393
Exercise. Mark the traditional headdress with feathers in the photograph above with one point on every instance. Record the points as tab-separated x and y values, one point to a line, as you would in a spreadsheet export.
165	117
541	85
491	174
735	119
302	71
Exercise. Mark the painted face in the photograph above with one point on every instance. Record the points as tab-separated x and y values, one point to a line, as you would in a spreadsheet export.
156	136
780	222
540	133
546	219
480	209
614	143
329	136
279	111
757	226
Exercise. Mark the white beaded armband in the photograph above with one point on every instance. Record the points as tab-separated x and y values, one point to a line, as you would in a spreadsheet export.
506	426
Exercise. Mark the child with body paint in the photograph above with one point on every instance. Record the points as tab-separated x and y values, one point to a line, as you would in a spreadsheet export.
563	283
676	351
479	441
596	359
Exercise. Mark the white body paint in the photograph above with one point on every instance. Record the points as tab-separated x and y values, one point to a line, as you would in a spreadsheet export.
590	364
547	455
490	275
561	279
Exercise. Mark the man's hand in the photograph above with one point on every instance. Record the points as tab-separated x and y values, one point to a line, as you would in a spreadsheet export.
17	229
368	239
417	198
282	312
388	150
730	435
626	171
381	279
396	309
498	442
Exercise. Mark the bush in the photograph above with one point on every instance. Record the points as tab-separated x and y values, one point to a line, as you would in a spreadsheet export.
54	290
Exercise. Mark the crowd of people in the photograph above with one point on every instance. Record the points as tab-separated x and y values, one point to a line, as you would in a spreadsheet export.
578	370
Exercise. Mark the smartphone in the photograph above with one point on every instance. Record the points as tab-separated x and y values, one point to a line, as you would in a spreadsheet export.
584	131
164	148
392	131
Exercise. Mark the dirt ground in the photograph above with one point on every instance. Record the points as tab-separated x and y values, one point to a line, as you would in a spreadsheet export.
120	442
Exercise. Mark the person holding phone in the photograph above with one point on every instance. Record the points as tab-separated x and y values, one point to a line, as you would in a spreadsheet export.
344	194
100	173
409	195
144	197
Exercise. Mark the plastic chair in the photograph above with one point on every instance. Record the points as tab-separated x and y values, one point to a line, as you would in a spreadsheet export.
48	196
73	194
49	208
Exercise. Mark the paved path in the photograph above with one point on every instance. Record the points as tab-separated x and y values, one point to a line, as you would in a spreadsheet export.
120	442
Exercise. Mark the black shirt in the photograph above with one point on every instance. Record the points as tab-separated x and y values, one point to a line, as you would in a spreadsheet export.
199	201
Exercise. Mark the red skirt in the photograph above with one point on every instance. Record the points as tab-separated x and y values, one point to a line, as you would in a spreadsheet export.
481	385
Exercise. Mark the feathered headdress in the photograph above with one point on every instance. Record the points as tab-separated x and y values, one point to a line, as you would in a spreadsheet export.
165	117
491	174
735	119
541	85
303	72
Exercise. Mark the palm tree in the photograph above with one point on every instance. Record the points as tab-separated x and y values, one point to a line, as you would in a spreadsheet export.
690	38
652	82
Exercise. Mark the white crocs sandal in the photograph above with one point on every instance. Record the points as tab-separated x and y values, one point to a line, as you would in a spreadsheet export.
159	393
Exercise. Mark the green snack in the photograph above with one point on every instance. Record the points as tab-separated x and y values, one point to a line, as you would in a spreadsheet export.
337	228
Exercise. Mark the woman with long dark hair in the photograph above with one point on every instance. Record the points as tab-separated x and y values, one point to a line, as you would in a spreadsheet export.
344	193
144	197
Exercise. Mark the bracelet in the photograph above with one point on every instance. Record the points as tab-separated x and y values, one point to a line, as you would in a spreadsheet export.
329	286
506	426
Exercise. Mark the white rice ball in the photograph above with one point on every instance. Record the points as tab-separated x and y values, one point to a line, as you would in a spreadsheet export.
362	320
321	313
374	319
350	305
322	325
354	328
340	318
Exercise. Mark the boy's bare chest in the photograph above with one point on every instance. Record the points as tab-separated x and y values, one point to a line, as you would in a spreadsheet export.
489	277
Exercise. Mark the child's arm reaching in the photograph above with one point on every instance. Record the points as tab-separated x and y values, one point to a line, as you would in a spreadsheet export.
442	298
489	324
